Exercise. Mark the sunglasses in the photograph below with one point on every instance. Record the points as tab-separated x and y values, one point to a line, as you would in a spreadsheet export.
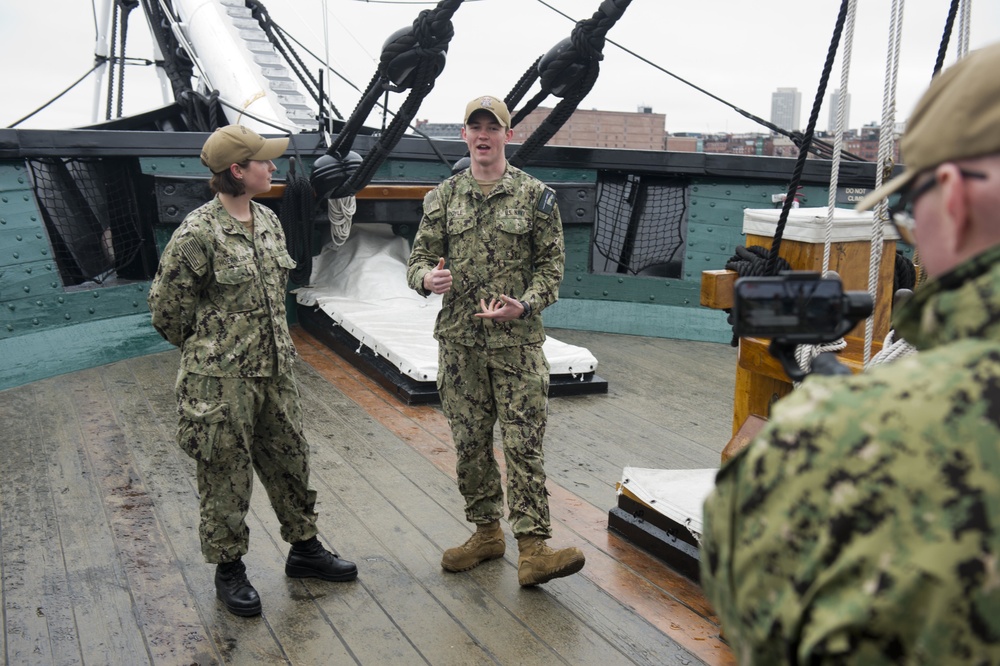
901	213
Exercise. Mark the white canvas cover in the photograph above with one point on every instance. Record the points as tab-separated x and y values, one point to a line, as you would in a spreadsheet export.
362	287
677	494
809	224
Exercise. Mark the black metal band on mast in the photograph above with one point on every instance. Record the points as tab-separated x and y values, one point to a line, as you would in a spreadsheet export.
412	58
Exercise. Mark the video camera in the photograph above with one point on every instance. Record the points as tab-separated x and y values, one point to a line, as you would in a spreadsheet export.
798	307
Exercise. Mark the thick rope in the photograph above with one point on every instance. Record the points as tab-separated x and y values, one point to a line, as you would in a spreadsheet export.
432	31
805	354
800	163
949	25
128	7
966	22
111	63
838	140
887	142
296	216
588	39
279	38
892	350
340	214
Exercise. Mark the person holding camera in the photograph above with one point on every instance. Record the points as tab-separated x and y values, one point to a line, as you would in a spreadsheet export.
863	524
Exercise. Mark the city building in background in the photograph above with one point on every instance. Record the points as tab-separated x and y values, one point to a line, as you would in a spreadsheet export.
641	130
786	108
645	130
834	103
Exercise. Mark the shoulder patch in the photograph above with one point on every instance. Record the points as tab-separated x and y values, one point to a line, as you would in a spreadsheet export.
547	201
193	255
431	202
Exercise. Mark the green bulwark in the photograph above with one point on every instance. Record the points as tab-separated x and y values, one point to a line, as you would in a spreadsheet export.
47	329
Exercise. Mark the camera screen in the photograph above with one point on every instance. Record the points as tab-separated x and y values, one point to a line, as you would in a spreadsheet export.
774	306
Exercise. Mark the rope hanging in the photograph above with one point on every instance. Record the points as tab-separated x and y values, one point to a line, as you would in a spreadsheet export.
340	215
296	216
568	71
412	58
886	160
752	261
905	272
806	141
838	140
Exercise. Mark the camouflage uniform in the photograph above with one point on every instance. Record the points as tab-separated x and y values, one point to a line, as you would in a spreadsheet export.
509	242
219	295
863	525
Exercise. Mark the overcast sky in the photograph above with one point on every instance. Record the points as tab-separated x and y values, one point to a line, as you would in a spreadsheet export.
739	50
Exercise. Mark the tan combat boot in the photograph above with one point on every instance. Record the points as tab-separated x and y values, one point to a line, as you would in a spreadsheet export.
539	564
486	544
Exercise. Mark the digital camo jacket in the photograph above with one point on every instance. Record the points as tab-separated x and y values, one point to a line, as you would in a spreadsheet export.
219	294
863	525
510	242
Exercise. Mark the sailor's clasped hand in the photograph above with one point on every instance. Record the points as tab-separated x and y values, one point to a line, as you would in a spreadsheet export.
504	308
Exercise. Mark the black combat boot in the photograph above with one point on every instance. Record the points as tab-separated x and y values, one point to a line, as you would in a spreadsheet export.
309	559
234	590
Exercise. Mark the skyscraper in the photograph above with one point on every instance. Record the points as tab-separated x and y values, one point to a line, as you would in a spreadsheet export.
834	102
786	107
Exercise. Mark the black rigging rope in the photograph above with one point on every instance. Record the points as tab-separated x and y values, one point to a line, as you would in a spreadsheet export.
949	24
819	147
111	67
772	262
296	216
98	62
569	70
127	6
279	38
412	58
198	112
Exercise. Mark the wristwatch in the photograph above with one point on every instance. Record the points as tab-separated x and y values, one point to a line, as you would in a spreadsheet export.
527	309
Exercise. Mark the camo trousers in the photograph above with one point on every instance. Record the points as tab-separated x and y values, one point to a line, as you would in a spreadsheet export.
477	385
232	426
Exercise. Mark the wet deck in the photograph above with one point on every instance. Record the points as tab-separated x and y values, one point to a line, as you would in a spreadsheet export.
99	554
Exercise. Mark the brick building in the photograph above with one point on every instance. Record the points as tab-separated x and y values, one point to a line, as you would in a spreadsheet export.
591	128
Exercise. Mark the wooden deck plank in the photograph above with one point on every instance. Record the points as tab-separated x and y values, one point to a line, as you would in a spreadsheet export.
678	621
38	621
162	607
97	466
276	637
444	527
103	612
380	494
350	612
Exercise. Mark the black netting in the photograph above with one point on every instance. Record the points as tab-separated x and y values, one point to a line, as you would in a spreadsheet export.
641	226
91	216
